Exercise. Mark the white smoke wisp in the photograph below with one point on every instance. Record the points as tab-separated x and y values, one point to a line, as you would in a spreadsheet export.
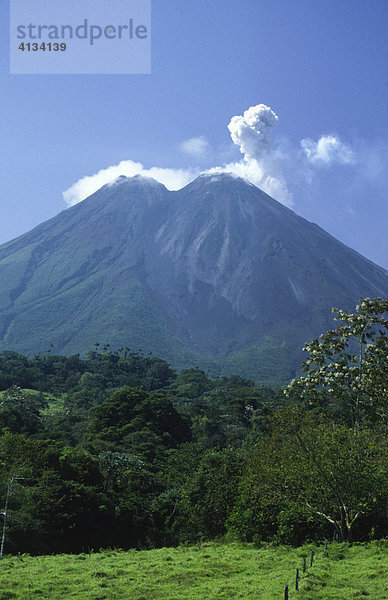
173	179
328	150
254	172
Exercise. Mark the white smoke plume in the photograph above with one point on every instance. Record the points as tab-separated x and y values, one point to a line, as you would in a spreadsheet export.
262	163
252	131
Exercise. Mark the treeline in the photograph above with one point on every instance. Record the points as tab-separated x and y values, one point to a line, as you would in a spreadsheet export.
119	450
63	374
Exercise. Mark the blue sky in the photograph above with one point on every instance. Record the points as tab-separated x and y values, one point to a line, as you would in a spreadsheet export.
320	65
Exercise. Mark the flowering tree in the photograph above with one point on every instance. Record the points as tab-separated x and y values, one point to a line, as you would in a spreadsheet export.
348	366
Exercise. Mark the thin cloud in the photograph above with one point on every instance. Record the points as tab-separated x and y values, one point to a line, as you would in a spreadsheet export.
198	147
328	150
173	179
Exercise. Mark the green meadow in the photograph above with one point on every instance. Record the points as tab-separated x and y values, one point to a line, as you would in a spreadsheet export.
207	571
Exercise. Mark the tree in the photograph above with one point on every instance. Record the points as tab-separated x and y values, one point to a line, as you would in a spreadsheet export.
57	502
20	411
211	491
199	491
308	472
348	367
114	467
137	421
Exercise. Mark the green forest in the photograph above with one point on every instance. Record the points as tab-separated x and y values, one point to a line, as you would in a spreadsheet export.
117	450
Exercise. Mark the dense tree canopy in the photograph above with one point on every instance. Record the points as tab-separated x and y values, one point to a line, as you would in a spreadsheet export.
116	449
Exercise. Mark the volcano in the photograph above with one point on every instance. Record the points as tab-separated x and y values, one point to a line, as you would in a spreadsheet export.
217	275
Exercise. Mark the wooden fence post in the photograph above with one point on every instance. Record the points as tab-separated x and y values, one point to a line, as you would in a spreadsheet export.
297	579
312	558
286	592
304	564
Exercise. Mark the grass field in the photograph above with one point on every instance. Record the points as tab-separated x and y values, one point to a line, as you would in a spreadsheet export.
208	571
